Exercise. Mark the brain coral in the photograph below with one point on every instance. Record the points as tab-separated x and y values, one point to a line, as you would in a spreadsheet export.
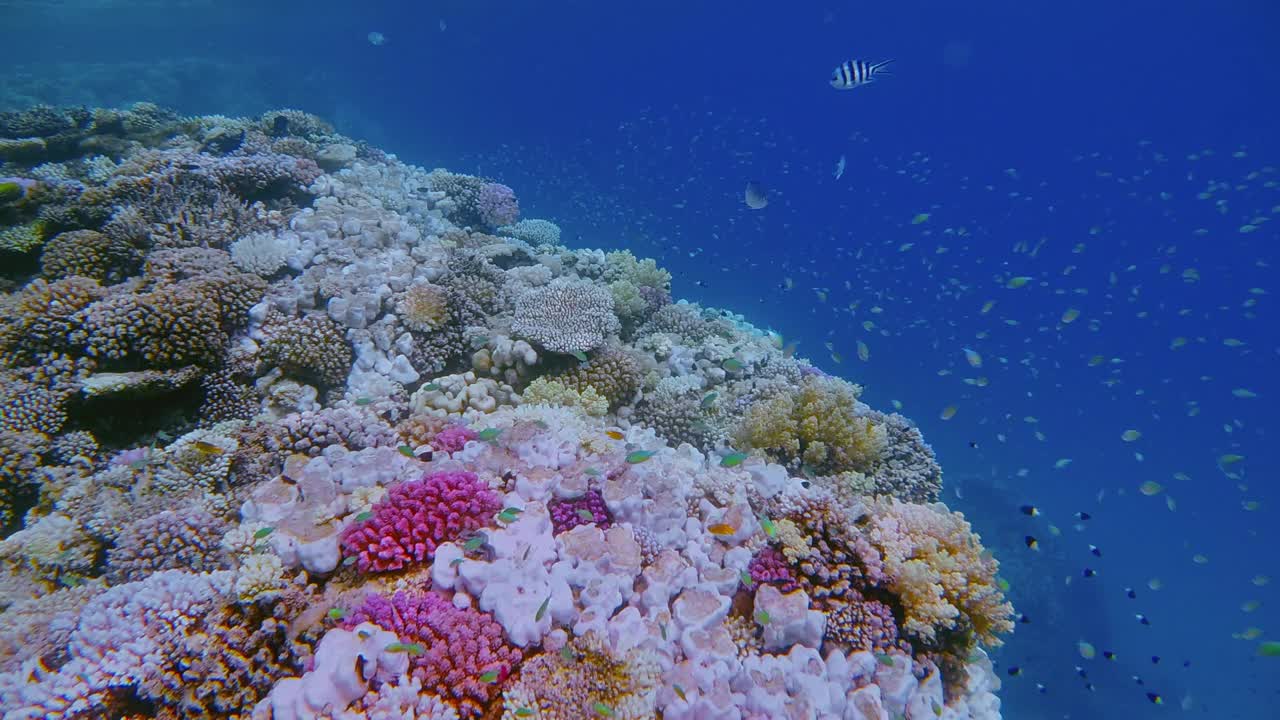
816	424
566	316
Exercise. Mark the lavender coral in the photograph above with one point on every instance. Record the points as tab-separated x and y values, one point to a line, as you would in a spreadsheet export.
497	205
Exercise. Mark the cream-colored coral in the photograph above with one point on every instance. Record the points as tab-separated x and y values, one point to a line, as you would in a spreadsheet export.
550	392
937	567
792	541
462	394
259	575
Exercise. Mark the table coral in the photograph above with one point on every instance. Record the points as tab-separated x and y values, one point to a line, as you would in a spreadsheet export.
415	517
566	316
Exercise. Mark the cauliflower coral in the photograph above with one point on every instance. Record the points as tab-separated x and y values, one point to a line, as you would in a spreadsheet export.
817	424
935	564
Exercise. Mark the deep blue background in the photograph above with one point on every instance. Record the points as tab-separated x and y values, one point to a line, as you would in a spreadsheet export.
1088	127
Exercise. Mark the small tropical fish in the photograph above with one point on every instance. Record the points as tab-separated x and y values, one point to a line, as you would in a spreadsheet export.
679	692
769	528
521	711
489	434
489	677
1032	542
1130	435
579	355
602	709
542	609
722	529
336	613
1014	671
864	352
755	196
614	434
1269	648
856	73
205	448
732	459
1082	516
475	542
1030	510
431	387
262	532
885	659
1155	698
747	580
363	516
1109	655
948	412
840	164
586	515
762	617
1089	572
708	400
920	218
376	38
1150	487
1086	649
640	456
732	365
410	648
1017	282
406	451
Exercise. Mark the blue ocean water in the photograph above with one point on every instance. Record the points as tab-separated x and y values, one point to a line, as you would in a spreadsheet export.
1082	194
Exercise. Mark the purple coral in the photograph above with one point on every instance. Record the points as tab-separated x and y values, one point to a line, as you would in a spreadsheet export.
589	509
458	645
416	517
453	438
866	624
497	205
770	567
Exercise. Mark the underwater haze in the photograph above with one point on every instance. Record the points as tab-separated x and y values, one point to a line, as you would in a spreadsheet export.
1046	233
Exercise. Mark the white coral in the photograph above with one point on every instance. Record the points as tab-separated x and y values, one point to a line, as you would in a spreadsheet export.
264	252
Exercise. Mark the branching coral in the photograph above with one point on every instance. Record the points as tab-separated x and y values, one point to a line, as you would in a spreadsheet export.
416	517
311	348
169	540
936	566
458	645
816	424
613	373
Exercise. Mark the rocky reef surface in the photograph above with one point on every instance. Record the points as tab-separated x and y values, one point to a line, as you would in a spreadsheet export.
291	429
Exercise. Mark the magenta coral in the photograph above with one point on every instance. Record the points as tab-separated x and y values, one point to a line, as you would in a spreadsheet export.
453	438
589	509
769	566
497	205
459	645
416	517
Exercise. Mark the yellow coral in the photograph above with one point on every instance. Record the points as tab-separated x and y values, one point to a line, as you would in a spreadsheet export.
937	567
816	424
795	545
552	392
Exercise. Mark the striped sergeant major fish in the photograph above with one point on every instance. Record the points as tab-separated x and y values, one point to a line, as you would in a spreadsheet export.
854	73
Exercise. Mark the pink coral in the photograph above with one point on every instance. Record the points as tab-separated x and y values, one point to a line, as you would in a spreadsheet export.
453	438
416	517
497	205
769	566
589	509
459	645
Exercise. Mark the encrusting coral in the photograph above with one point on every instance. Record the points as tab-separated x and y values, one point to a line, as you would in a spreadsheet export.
290	428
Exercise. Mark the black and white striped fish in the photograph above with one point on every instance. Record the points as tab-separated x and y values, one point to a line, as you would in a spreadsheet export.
854	73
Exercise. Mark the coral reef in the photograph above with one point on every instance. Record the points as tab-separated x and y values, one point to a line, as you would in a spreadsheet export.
292	429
